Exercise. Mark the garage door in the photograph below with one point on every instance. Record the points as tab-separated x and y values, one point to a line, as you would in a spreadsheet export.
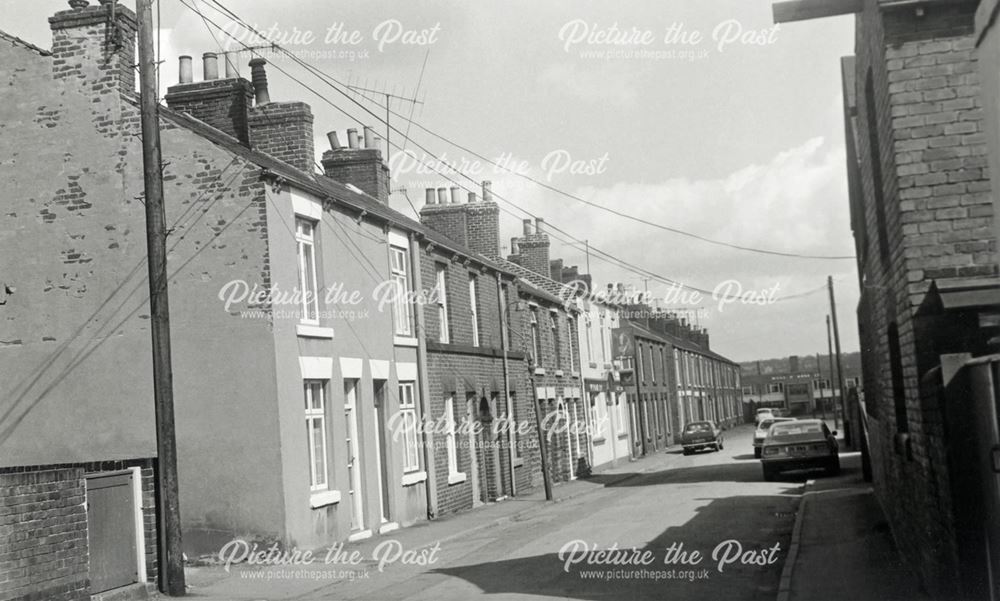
111	531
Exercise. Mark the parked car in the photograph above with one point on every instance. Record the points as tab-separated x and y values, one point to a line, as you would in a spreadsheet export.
701	435
761	433
800	444
764	412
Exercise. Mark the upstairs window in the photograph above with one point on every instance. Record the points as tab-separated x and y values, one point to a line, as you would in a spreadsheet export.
306	251
441	291
474	309
399	268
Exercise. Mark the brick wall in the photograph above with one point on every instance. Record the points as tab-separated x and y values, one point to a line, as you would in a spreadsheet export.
284	130
448	219
222	103
43	523
483	227
924	215
535	253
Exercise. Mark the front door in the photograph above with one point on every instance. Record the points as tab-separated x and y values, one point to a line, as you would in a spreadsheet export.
354	463
383	451
111	524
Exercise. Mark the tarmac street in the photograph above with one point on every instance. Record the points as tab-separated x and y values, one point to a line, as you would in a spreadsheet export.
669	526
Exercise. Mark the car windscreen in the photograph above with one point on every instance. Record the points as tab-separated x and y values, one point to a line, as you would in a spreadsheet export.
702	427
793	428
766	423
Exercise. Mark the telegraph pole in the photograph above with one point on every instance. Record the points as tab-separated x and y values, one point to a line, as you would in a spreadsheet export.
822	399
829	354
171	560
840	372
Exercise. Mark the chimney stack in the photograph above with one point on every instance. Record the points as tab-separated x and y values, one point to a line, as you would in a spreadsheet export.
535	247
93	54
283	130
360	166
222	103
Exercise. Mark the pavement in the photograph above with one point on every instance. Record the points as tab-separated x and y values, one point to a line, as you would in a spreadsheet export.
842	548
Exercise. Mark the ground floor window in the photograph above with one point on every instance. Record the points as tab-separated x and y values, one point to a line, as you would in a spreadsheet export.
315	398
409	418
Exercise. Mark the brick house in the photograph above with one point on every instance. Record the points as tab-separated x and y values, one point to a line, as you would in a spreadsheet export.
472	367
542	326
922	213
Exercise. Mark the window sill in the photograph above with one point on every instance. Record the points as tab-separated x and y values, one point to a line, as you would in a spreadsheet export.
574	374
404	341
623	436
518	461
362	535
456	478
323	498
413	478
306	330
559	373
592	365
539	371
598	441
388	527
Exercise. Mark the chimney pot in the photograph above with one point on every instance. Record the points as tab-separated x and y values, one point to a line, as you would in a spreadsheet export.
259	78
352	138
528	227
210	65
539	225
442	196
231	71
377	143
369	135
334	141
78	4
456	196
472	197
186	73
487	191
430	196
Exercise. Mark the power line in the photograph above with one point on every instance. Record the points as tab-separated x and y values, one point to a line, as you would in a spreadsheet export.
331	80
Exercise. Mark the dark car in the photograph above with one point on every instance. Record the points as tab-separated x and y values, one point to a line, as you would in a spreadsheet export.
761	433
798	445
698	436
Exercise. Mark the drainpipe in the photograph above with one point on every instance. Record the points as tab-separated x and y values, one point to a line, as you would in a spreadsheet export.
425	391
504	343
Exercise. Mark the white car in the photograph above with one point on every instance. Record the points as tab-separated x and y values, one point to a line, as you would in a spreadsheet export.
762	427
765	412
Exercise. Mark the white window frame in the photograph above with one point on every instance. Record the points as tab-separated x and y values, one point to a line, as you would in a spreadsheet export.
409	420
589	336
556	342
569	338
441	277
305	251
474	308
604	348
399	263
536	340
316	414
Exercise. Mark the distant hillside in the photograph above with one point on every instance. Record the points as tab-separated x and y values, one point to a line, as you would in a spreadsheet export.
850	361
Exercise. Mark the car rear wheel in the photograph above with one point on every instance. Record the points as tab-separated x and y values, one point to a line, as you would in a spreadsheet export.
718	445
687	451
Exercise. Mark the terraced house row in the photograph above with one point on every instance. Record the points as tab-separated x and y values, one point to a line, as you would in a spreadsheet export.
341	369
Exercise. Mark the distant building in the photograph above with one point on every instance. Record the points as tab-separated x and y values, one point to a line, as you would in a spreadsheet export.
799	391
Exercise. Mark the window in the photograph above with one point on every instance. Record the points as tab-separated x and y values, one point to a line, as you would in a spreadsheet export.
399	268
556	342
677	368
536	342
449	416
306	250
604	348
898	386
641	363
590	334
315	396
622	413
821	384
474	309
776	387
444	331
408	413
851	382
747	390
570	338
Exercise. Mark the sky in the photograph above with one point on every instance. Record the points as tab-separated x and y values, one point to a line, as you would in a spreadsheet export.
699	115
